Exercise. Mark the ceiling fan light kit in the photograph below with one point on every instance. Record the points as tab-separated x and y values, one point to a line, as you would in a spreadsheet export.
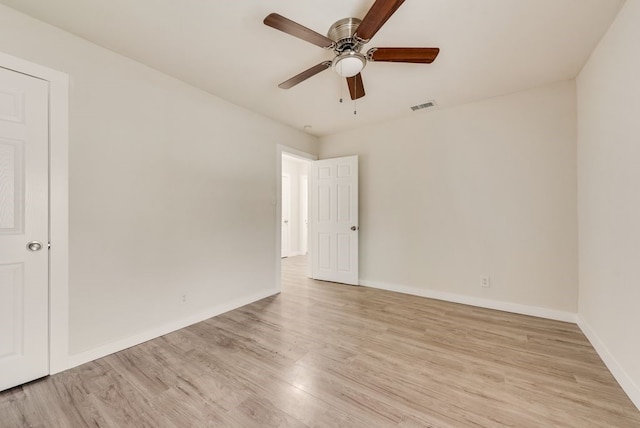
348	64
346	38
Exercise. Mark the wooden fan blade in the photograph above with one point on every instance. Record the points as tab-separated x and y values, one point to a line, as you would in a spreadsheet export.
414	55
288	26
305	75
379	13
356	88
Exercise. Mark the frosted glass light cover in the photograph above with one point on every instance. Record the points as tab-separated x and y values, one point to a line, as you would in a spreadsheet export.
348	65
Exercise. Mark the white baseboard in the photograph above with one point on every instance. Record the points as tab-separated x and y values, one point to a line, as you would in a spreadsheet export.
618	372
296	254
516	308
113	347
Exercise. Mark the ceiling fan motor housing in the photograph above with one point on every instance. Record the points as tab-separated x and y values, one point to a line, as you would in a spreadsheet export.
342	32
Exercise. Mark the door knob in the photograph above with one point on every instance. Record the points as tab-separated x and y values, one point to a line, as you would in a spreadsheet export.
354	228
34	246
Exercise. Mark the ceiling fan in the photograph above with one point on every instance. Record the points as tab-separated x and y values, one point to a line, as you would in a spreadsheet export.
346	38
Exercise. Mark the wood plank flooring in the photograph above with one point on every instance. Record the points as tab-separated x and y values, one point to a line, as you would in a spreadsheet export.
330	355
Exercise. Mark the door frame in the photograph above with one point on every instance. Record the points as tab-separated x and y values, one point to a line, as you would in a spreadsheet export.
288	254
58	205
280	150
304	208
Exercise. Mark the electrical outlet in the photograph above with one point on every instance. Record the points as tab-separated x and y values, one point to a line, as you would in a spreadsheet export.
485	281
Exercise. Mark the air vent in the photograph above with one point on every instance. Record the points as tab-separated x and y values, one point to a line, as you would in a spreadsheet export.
428	104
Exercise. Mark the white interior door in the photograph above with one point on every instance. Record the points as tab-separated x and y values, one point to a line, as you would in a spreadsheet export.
333	219
286	215
24	293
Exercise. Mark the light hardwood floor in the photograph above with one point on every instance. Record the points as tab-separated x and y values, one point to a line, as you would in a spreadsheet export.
323	354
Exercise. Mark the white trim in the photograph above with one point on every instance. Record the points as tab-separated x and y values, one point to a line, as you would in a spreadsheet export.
58	205
290	151
515	308
155	332
297	253
618	372
288	252
280	149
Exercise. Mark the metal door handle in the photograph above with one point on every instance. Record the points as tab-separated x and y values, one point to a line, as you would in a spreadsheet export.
354	228
34	246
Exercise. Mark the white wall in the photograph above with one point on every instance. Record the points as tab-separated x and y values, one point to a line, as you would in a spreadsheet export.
487	188
609	198
172	192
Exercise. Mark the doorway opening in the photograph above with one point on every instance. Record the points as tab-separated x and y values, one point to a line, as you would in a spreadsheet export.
292	240
295	207
317	216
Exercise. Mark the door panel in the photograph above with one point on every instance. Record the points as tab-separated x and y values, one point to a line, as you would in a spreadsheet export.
333	220
344	252
324	252
11	317
24	294
11	187
324	203
343	205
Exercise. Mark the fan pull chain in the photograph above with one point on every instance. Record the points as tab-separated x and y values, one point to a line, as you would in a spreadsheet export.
341	83
355	100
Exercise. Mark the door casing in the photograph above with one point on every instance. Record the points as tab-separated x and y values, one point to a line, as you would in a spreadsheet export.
286	215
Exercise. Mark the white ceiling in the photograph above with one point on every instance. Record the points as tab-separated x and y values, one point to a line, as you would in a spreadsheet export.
488	48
